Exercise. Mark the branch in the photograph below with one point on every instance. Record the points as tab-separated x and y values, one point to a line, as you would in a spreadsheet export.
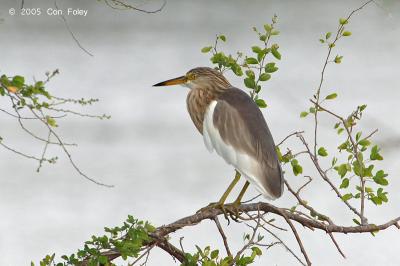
211	214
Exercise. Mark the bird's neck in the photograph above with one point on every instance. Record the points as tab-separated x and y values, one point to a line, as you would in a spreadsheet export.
197	102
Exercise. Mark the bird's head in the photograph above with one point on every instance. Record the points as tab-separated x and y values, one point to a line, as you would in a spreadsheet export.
200	78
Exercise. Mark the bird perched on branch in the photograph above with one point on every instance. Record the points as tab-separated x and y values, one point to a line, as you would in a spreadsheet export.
232	125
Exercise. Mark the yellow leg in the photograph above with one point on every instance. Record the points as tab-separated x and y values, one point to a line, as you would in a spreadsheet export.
241	194
229	189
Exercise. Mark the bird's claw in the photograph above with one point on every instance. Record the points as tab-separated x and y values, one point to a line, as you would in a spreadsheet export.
229	210
233	211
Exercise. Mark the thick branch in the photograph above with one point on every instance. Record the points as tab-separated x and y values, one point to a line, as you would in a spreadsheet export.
212	213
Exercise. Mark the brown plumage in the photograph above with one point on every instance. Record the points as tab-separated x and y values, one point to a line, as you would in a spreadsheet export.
233	125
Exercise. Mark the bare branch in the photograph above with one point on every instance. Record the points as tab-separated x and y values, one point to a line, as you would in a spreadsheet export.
221	232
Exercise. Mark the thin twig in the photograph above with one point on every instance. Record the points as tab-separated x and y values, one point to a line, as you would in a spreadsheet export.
221	232
336	245
71	32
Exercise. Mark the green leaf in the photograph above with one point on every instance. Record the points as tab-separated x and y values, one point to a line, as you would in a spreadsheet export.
375	154
274	51
270	68
51	121
362	107
214	254
268	28
303	114
343	21
264	77
346	33
358	135
338	59
297	169
261	103
342	170
275	32
250	74
256	49
206	49
322	152
257	250
331	96
103	260
18	81
249	83
345	183
380	179
251	60
222	38
328	35
364	142
347	196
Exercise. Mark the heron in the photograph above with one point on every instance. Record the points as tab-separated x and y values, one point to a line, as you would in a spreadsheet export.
232	124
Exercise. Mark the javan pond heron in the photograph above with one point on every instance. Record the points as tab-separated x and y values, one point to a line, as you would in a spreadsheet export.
232	125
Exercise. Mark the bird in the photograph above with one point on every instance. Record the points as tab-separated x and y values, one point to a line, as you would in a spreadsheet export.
232	124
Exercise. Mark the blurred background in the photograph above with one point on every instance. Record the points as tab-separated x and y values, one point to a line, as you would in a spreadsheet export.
151	151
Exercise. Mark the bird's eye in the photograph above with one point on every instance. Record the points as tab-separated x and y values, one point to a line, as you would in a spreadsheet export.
191	76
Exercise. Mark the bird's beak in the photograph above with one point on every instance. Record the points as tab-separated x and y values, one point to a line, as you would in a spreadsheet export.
175	81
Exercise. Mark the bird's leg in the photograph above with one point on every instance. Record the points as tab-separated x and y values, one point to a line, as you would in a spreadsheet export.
233	208
241	194
229	189
221	202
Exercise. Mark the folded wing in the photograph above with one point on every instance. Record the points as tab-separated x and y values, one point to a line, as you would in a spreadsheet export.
235	128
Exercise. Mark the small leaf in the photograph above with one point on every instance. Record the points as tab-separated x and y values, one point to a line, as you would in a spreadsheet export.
328	35
322	152
249	83
51	121
214	254
261	103
375	154
270	68
256	49
257	250
274	51
331	96
250	74
264	77
364	142
275	32
346	197
358	135
346	33
345	183
206	49
343	21
338	59
222	38
303	114
267	28
251	60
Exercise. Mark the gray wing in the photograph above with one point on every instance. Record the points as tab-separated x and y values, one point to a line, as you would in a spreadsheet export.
241	124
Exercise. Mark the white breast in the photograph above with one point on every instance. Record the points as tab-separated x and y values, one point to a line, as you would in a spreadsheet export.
242	162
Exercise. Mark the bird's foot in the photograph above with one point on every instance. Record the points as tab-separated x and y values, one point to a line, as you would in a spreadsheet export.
229	210
233	210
